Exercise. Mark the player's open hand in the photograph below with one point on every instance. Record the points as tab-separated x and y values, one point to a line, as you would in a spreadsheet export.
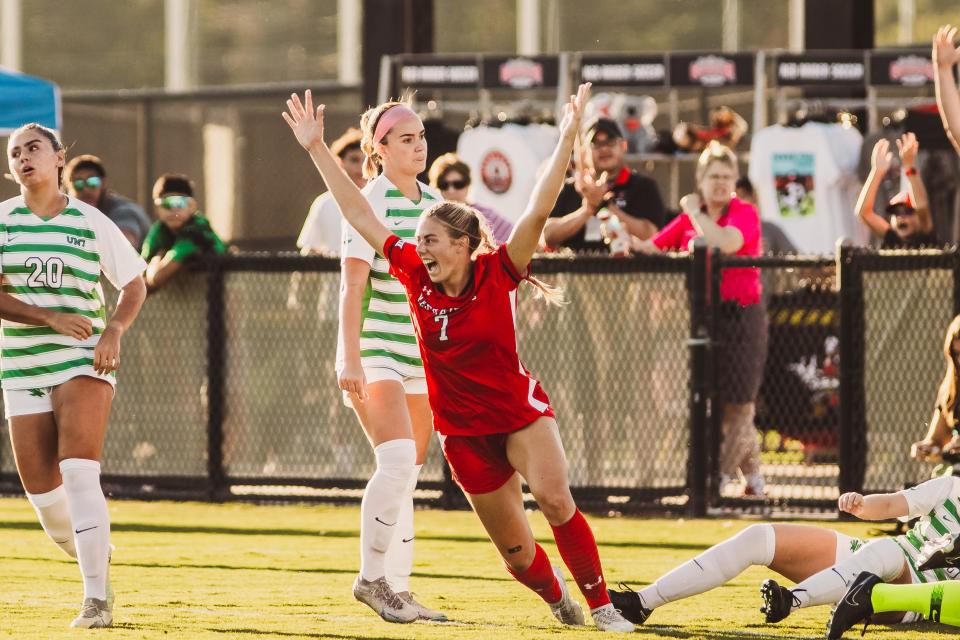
851	503
882	157
306	124
573	111
71	324
945	54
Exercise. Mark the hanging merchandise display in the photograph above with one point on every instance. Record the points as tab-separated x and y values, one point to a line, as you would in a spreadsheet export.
806	182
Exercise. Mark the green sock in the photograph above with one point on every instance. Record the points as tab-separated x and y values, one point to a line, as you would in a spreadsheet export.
937	601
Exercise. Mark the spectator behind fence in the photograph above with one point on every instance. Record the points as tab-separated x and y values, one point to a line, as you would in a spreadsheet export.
181	235
942	441
634	199
86	180
732	226
774	240
451	176
910	225
321	231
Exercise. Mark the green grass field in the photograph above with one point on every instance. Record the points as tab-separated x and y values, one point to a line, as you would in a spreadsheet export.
189	570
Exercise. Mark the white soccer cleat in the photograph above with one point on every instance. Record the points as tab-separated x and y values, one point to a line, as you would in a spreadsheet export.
378	595
607	618
95	614
566	610
425	613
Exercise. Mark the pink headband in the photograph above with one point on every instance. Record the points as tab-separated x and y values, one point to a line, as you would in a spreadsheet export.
390	117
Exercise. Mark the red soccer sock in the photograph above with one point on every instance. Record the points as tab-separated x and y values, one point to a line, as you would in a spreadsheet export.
579	552
539	577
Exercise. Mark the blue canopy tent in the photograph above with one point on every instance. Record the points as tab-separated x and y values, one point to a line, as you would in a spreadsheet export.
26	99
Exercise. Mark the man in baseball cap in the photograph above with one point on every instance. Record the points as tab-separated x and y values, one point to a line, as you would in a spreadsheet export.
606	184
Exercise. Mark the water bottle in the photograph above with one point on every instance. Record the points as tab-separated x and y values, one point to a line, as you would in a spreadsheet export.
614	235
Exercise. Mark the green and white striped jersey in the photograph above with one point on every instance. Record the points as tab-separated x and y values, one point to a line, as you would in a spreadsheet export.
937	503
387	339
56	263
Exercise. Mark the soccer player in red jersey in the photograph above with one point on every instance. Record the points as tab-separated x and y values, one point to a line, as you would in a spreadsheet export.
494	419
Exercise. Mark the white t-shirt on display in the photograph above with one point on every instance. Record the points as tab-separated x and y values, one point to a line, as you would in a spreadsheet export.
806	183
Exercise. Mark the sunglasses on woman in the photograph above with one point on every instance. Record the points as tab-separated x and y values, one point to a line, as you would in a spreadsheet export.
443	185
173	202
93	182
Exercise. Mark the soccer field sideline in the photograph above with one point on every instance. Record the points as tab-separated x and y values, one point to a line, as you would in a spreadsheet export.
197	570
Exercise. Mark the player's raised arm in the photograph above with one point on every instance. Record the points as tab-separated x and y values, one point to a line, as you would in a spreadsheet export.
307	126
526	234
945	56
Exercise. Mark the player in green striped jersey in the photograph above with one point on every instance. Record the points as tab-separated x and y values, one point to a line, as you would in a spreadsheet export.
378	362
59	352
896	560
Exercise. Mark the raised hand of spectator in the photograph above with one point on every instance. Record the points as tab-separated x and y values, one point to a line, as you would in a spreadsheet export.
591	187
945	54
882	158
908	147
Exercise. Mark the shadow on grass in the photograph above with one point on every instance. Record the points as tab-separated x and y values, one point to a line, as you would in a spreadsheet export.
683	633
342	533
261	633
228	567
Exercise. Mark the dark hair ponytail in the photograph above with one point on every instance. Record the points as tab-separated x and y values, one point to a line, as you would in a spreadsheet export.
47	133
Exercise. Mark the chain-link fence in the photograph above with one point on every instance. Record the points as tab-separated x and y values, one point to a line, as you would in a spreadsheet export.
908	299
792	442
228	389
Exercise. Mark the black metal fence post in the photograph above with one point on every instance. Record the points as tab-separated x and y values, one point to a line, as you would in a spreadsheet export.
698	460
853	425
216	378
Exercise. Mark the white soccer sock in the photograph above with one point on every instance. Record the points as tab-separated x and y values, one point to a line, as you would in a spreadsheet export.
882	557
716	566
51	508
399	560
381	503
91	522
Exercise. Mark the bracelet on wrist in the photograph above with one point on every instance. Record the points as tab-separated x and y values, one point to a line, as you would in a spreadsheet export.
911	171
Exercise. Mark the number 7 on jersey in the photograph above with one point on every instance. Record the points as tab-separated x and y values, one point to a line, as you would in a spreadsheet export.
443	320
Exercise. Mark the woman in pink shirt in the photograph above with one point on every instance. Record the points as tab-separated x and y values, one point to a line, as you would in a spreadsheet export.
733	227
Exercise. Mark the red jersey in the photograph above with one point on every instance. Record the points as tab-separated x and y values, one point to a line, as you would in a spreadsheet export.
475	380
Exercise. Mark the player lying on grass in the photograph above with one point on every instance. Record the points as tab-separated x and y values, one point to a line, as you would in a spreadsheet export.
493	417
822	561
936	601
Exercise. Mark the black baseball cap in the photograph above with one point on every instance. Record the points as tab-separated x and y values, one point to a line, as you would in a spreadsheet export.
606	125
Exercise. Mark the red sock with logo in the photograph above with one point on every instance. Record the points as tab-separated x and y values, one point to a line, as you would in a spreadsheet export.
539	577
579	552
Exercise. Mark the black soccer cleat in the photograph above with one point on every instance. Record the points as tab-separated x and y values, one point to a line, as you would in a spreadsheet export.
629	604
854	607
940	553
777	601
